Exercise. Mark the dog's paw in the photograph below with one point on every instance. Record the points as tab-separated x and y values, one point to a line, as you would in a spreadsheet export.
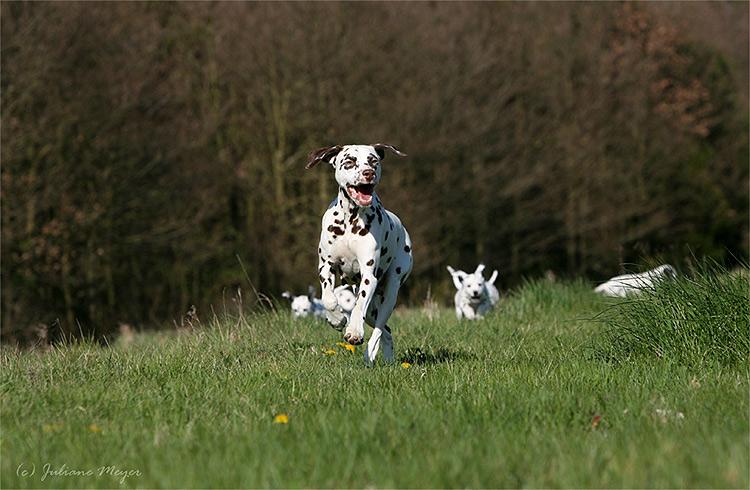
354	336
354	339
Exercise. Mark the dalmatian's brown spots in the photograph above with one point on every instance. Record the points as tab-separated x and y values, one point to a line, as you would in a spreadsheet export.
398	239
407	248
364	231
364	294
335	230
330	242
386	235
367	282
356	228
335	213
338	222
322	279
398	270
371	261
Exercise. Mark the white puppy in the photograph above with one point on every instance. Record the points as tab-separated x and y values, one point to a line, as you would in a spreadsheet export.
474	296
627	284
346	298
305	305
309	305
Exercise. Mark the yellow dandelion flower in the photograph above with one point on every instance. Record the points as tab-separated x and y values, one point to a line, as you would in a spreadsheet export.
53	427
329	352
406	365
346	346
281	418
94	428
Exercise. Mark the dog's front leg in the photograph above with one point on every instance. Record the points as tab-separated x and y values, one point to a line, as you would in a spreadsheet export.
334	314
368	265
468	312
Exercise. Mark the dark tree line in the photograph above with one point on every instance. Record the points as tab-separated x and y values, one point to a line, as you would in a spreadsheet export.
152	151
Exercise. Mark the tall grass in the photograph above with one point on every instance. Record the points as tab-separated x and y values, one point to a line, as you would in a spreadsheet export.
479	404
696	320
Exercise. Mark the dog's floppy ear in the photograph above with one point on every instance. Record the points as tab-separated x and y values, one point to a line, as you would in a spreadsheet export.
323	155
381	147
458	277
480	269
492	278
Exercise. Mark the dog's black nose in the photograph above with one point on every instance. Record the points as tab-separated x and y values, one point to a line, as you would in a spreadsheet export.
368	174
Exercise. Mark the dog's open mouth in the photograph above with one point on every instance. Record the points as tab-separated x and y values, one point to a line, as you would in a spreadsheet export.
361	194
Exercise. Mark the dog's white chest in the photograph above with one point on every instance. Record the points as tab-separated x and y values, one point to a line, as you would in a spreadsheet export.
344	254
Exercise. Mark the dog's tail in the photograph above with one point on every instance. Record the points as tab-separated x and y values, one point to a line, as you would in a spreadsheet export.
492	278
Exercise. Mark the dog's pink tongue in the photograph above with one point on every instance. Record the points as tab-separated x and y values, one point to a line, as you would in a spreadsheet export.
363	197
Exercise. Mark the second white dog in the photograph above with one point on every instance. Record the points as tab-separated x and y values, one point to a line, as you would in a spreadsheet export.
627	284
474	296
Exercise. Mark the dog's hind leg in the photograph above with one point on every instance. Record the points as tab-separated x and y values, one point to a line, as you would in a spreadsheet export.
380	312
387	345
373	345
379	336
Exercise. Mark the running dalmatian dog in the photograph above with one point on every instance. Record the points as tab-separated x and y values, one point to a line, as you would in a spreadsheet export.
364	243
474	296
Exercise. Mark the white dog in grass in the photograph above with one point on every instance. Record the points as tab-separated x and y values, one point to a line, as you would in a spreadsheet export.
346	298
309	305
629	284
305	304
474	296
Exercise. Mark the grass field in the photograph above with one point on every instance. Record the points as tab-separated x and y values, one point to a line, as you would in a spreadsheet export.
557	388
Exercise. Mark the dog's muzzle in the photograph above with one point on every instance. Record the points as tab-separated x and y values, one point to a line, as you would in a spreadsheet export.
361	194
